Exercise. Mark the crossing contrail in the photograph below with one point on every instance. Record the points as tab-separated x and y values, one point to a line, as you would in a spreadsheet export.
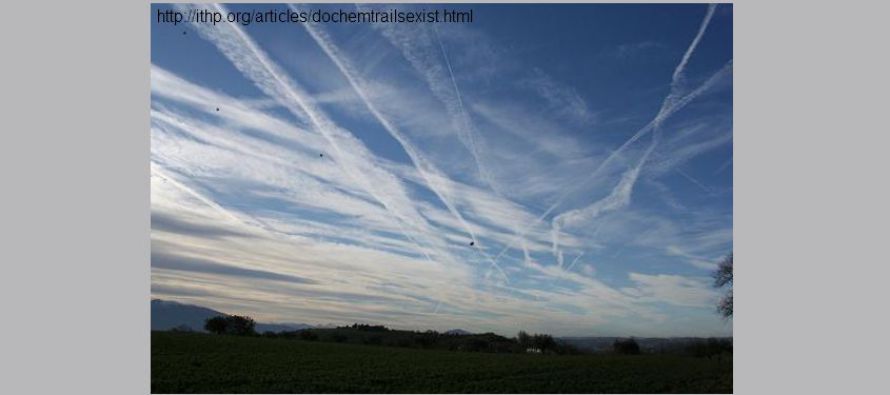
425	168
254	64
670	105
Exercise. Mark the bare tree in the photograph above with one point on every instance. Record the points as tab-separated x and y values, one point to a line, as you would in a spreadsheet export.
723	278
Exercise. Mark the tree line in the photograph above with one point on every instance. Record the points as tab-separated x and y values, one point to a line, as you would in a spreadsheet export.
381	335
523	343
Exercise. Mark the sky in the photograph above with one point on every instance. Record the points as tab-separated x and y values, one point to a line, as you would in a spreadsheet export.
561	169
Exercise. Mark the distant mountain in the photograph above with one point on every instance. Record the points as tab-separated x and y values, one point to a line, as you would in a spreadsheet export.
457	332
166	315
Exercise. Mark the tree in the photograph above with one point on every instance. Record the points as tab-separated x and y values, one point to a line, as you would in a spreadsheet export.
216	325
723	278
524	339
240	325
230	324
628	346
544	342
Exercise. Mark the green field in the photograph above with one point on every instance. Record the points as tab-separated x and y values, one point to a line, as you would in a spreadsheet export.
190	362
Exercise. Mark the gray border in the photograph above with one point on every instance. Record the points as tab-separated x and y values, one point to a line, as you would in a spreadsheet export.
75	216
809	214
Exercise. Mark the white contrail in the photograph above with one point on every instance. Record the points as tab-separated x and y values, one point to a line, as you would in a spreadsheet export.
466	133
248	58
664	114
568	269
669	106
678	77
620	195
184	125
618	198
723	166
417	47
156	169
258	225
425	168
693	180
254	64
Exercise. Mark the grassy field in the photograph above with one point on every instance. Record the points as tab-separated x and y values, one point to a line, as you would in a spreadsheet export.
189	363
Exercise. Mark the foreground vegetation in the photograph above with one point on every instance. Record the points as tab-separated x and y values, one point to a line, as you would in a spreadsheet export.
193	362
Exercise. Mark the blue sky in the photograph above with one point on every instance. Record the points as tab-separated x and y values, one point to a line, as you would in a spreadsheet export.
584	150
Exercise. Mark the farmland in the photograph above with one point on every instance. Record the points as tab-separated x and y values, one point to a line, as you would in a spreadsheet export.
201	363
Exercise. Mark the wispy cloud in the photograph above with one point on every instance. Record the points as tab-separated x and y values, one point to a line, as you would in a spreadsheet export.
678	290
563	101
